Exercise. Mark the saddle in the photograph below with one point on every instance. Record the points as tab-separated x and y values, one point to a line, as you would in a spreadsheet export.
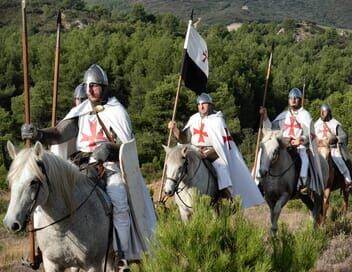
81	159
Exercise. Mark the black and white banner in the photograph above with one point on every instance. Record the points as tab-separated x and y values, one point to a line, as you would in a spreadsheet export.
196	69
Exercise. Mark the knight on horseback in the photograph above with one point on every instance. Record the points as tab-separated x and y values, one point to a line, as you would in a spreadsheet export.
96	144
329	130
208	131
298	133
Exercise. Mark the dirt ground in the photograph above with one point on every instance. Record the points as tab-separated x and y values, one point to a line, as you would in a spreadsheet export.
337	257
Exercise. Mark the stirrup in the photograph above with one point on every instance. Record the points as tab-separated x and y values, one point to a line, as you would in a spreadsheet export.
348	187
122	266
303	190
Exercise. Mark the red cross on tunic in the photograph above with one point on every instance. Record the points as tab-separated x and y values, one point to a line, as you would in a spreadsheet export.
95	135
325	131
205	56
201	133
292	125
227	138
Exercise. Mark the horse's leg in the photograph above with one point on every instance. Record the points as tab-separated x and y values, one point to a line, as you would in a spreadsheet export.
327	192
318	209
49	266
275	212
345	201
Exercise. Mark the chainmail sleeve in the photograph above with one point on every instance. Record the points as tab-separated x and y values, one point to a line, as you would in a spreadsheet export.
64	131
185	136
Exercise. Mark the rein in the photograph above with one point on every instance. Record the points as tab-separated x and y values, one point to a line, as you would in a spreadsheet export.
283	172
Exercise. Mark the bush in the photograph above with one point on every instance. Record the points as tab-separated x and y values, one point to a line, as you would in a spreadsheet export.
228	242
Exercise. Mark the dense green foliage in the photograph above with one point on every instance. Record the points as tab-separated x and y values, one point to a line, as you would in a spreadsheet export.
142	53
229	242
326	12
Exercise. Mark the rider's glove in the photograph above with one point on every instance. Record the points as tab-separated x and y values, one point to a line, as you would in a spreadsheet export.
106	152
29	131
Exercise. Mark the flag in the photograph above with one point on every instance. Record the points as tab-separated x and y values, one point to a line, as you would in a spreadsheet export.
195	68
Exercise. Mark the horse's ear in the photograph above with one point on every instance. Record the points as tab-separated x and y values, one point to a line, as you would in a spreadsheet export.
167	149
184	151
278	134
38	149
11	149
266	131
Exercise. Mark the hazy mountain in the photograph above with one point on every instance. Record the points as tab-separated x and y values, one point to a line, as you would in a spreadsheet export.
326	12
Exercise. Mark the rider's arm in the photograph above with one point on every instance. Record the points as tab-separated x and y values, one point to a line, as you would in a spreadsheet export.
185	136
64	131
341	135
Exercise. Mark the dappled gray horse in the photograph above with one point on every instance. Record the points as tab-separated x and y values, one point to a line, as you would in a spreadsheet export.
280	177
75	223
185	171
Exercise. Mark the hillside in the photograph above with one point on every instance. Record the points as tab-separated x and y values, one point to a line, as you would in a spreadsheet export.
325	12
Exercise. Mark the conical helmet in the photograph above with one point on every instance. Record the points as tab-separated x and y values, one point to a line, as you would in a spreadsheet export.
204	98
295	92
80	91
95	74
325	107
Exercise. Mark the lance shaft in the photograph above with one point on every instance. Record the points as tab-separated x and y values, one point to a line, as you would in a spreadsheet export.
268	69
56	70
173	119
32	257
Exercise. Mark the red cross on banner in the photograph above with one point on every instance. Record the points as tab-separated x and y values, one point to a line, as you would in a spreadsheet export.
201	133
292	125
205	56
95	135
325	131
227	138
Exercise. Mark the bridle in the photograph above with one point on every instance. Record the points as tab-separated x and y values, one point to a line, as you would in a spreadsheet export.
275	159
182	174
35	199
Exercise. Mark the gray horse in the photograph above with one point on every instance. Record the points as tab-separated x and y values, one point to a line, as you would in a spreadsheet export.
39	178
280	177
185	170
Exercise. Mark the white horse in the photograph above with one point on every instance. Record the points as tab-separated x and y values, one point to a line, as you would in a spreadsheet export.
279	178
76	225
185	170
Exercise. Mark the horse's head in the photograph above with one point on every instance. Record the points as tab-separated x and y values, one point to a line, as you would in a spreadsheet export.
176	167
28	184
270	147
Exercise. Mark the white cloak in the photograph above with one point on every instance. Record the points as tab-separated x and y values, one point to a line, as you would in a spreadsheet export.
116	117
221	140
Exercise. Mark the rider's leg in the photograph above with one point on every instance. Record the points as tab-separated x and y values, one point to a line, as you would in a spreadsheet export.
121	213
302	151
224	179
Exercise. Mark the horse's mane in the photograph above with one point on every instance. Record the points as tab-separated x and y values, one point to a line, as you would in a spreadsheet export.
176	152
62	174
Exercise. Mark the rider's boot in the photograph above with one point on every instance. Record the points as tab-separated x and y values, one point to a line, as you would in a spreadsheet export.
225	193
302	185
122	266
348	187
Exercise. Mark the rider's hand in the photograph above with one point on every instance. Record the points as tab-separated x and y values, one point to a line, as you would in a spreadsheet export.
106	152
172	125
263	112
296	142
29	131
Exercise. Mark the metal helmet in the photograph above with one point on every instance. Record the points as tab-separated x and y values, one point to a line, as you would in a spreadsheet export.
325	107
80	91
295	92
95	74
204	98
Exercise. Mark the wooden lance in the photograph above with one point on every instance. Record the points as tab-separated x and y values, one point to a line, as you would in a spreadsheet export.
56	70
268	69
32	260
